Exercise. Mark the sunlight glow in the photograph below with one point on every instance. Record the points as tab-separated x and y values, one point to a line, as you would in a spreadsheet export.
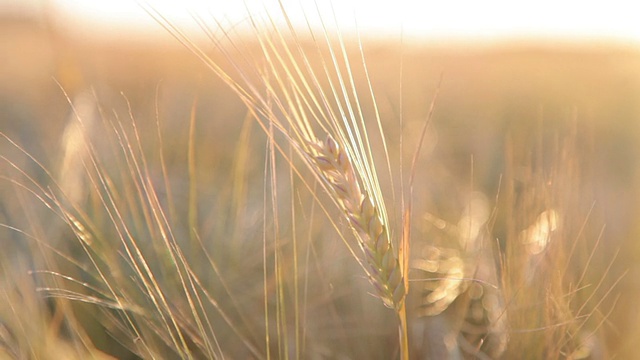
457	19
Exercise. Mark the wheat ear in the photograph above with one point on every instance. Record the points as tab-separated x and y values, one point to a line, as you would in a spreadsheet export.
385	272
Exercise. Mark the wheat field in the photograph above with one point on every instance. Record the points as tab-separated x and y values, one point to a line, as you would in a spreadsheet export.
278	193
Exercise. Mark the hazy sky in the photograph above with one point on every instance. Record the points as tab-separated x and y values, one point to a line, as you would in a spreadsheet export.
466	19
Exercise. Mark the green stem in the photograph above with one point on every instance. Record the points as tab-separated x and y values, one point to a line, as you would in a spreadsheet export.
403	333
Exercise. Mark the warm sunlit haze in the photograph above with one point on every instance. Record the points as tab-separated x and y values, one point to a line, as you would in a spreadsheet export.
319	179
462	20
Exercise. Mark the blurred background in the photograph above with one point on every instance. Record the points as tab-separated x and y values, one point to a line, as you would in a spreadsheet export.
508	70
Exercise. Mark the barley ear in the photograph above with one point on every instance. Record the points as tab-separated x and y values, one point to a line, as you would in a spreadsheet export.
384	269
